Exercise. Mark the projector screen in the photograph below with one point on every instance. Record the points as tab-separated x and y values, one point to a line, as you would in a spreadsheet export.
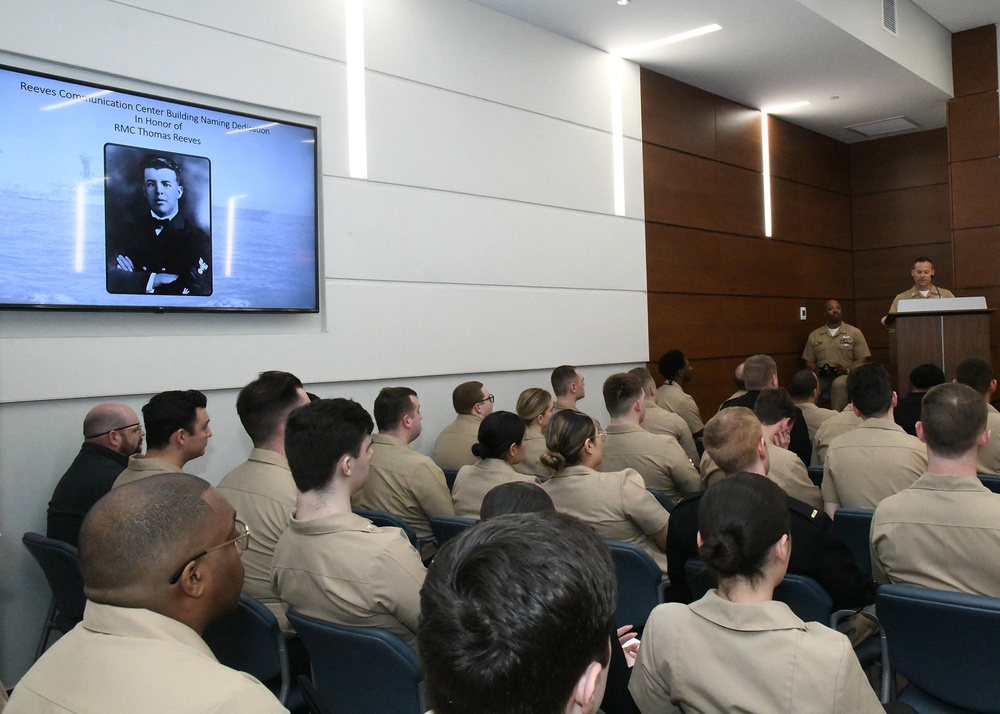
115	200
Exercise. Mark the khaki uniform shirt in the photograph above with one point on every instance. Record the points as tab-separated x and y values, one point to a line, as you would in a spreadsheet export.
717	656
453	448
673	398
913	294
344	569
474	482
989	458
658	458
786	470
814	416
830	430
840	350
870	462
263	493
660	421
122	659
617	505
943	532
140	467
408	484
534	447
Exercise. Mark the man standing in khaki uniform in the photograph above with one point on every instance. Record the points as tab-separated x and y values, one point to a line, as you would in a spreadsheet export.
832	351
977	373
453	448
676	371
659	421
923	286
805	392
402	481
877	458
943	532
569	386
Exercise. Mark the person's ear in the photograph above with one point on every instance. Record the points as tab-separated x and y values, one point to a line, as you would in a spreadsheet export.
194	579
179	437
895	400
919	428
587	689
783	548
180	190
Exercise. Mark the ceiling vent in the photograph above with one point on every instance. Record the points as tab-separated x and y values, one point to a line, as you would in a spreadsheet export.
889	17
880	127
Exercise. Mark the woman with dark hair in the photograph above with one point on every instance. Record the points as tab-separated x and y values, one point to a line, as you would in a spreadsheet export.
500	446
615	503
535	407
736	649
515	497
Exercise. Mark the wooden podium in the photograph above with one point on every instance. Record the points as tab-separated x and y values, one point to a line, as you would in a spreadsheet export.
942	332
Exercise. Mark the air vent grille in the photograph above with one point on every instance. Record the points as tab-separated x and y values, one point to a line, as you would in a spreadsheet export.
889	17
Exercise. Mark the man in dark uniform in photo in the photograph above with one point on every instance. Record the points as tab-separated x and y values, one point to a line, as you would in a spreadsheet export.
163	252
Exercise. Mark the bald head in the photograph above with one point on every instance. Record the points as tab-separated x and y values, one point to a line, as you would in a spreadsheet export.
114	426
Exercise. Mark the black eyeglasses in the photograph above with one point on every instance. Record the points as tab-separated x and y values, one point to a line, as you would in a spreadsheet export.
121	428
242	541
486	399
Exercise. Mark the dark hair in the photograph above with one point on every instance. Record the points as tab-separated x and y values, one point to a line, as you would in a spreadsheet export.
977	373
154	161
926	376
803	384
562	377
758	371
565	438
513	611
671	363
515	497
773	405
391	405
497	433
319	434
953	417
620	392
264	404
466	396
169	411
739	519
923	259
870	389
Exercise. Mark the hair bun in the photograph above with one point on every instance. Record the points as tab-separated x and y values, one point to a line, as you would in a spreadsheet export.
477	450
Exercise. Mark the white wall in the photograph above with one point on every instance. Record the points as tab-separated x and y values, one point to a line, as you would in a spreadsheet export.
483	244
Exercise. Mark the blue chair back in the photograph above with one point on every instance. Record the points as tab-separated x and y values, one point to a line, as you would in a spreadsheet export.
946	644
816	475
361	669
991	481
639	579
60	562
388	520
663	499
853	527
447	527
449	478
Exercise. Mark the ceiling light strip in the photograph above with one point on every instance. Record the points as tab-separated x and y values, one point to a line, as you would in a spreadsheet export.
357	133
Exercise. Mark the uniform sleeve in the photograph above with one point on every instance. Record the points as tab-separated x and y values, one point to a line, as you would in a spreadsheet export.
853	692
861	346
650	682
401	575
878	541
686	441
255	697
829	486
689	410
895	304
808	352
431	491
641	506
686	478
709	470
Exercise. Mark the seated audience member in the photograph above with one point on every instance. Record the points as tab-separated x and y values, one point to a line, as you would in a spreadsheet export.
943	531
877	458
402	481
830	429
160	560
977	373
735	440
111	434
500	448
617	505
741	387
670	395
658	458
535	407
262	489
658	420
761	372
568	385
907	411
515	497
332	564
485	652
832	351
805	392
737	649
176	432
453	448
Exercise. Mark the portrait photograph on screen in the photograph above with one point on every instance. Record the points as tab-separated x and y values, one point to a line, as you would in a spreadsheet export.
116	200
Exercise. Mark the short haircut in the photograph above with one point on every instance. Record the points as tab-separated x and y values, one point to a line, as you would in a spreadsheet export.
391	405
773	405
758	371
740	519
731	439
264	404
319	434
155	161
466	396
497	433
533	402
671	363
139	527
803	384
513	611
644	376
565	438
562	377
103	419
926	376
953	418
923	259
620	392
975	372
870	389
169	411
515	497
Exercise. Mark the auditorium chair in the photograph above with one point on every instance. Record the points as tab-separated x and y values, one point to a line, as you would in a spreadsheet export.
447	527
60	562
640	583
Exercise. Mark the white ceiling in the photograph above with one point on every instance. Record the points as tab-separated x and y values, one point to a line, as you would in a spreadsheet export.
773	52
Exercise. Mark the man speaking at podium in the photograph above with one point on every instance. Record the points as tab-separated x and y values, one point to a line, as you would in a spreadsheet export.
923	286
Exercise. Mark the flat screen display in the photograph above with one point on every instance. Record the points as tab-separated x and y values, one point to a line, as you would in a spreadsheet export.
117	200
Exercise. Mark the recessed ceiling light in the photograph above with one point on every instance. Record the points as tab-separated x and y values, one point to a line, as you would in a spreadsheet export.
623	2
778	109
669	40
